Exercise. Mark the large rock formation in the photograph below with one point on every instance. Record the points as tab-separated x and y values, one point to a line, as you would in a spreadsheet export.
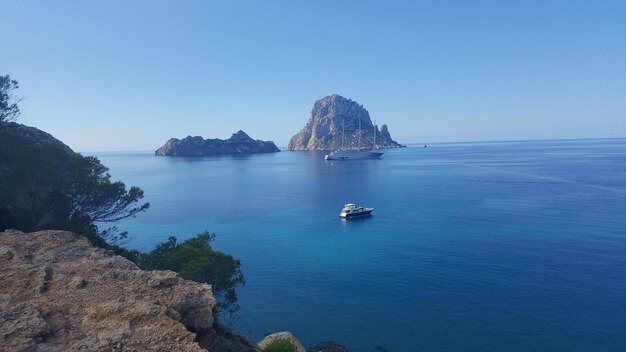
238	143
335	117
59	293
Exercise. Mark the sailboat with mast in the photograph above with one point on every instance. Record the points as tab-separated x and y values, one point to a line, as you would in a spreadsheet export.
355	154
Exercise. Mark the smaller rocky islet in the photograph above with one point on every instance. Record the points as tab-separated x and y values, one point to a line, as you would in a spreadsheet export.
238	143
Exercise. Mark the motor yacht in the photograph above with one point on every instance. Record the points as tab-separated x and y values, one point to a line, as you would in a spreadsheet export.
351	210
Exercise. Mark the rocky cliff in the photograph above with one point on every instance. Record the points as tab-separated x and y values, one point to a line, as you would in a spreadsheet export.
334	118
238	143
59	293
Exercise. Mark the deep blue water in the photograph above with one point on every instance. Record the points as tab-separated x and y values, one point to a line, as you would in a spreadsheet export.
502	246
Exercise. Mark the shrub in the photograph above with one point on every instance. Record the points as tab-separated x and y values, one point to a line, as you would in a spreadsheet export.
194	259
280	346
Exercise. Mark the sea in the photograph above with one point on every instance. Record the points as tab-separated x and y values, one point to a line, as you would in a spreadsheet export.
487	246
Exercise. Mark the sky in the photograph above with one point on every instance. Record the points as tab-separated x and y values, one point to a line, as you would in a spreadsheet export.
129	75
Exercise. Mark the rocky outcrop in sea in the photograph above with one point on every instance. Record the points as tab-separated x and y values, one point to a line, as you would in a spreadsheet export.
279	336
238	143
59	293
334	122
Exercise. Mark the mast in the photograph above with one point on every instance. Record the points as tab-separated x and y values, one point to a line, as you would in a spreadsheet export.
375	130
343	132
359	133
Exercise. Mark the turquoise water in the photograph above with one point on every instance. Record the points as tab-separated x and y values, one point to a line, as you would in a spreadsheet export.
502	246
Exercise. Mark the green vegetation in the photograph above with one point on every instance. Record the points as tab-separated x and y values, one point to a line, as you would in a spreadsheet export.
9	111
280	346
45	185
194	259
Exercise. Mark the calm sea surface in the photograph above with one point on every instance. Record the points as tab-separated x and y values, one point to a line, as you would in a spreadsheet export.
503	246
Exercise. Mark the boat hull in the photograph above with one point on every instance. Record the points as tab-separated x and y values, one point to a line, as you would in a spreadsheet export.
353	155
356	214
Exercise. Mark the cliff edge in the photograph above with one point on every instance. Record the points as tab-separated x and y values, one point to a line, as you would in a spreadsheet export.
334	123
60	293
238	143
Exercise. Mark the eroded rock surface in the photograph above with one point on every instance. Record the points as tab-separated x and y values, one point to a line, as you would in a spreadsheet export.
59	293
334	123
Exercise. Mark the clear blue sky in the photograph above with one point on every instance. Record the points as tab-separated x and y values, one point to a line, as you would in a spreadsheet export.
128	75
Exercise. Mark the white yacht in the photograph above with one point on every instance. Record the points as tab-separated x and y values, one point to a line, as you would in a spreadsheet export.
355	154
351	210
352	155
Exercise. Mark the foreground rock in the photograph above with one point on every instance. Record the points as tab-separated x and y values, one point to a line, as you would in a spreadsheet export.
285	335
330	116
59	293
238	143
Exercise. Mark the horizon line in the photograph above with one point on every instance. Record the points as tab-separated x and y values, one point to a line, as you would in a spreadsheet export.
284	148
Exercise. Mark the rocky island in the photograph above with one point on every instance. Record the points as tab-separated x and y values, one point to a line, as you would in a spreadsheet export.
335	119
238	143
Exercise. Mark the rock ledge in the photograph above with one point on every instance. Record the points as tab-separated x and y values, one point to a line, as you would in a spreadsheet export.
59	293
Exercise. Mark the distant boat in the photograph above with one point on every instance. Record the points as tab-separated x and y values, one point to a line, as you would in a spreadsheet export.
355	154
352	210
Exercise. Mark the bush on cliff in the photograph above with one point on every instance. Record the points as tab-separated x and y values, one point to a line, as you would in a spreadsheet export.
194	259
